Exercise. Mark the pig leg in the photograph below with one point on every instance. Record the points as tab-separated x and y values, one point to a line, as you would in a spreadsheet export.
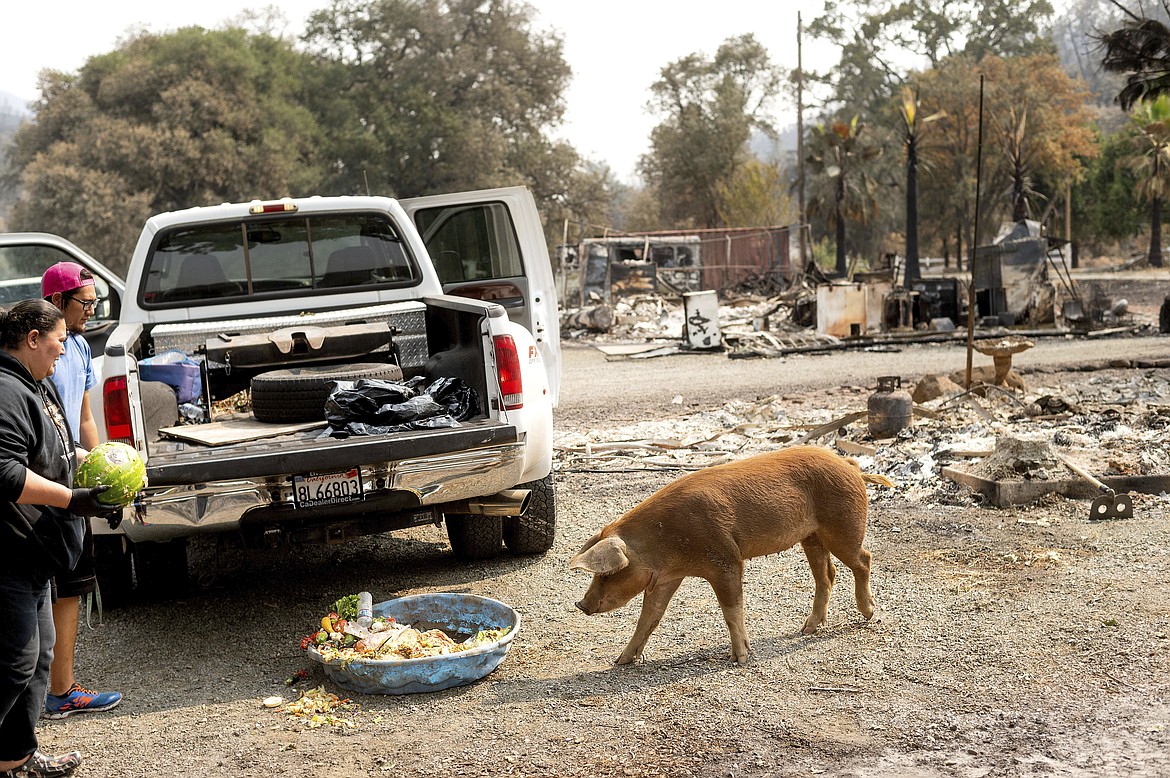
729	591
654	602
859	564
854	556
824	573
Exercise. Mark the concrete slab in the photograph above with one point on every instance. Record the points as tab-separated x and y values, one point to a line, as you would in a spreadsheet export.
1006	493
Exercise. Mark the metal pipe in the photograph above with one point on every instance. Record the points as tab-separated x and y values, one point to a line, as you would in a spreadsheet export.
971	302
509	502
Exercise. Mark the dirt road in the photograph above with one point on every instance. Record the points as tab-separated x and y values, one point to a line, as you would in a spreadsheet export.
1015	642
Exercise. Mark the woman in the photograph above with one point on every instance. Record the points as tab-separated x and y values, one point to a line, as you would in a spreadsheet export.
41	524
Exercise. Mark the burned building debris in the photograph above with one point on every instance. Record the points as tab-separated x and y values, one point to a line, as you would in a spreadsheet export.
769	306
1000	450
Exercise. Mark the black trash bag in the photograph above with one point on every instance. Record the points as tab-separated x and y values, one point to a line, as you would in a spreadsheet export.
370	406
460	400
420	406
362	399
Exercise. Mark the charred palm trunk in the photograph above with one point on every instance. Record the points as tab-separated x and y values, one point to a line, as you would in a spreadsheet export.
1155	258
912	270
842	268
1019	204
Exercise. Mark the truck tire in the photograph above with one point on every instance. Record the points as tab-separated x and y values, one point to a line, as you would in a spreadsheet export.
299	393
535	531
474	537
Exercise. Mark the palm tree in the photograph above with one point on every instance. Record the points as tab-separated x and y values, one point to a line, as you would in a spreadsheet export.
1141	49
1020	157
1151	163
836	152
911	132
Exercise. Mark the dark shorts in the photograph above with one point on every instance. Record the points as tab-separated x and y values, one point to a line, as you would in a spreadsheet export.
82	579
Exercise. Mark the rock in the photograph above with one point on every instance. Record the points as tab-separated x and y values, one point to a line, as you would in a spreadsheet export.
932	387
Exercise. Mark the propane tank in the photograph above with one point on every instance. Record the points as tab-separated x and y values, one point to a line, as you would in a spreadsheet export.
890	408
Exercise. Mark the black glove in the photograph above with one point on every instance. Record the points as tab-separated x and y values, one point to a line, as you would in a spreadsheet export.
85	502
114	518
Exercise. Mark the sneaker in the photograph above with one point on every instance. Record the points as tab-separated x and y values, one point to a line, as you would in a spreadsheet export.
40	765
79	700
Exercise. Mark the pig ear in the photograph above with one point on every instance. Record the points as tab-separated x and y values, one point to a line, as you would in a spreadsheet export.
605	556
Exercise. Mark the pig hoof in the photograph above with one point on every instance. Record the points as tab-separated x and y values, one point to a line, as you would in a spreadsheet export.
811	625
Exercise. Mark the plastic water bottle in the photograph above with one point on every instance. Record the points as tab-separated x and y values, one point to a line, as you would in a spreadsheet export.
365	608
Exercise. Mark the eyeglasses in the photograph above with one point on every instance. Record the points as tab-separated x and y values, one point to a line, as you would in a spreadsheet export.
88	305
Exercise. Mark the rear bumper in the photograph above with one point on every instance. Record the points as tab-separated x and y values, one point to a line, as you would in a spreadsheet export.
181	510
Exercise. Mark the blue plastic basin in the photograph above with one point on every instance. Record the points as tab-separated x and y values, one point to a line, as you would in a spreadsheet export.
456	614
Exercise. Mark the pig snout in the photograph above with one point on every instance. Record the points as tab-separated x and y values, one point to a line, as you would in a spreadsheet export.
604	596
591	601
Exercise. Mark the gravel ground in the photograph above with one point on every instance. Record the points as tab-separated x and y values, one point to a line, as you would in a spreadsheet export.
1015	642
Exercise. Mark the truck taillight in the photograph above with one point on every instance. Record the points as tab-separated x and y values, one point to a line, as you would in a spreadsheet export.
116	404
508	372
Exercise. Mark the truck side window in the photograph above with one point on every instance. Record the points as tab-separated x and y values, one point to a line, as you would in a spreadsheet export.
471	242
21	268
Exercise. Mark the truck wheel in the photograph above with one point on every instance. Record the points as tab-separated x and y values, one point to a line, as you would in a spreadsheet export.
299	393
474	537
535	531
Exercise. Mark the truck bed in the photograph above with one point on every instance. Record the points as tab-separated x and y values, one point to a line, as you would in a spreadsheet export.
180	462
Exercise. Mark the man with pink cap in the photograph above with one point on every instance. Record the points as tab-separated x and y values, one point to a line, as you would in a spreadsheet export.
70	287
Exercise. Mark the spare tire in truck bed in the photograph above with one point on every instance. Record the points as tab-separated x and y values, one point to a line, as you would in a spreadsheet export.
298	393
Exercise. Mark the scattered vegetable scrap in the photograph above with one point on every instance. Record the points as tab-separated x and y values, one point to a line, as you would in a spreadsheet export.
316	706
297	677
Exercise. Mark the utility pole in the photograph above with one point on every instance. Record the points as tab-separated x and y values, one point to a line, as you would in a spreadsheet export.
800	148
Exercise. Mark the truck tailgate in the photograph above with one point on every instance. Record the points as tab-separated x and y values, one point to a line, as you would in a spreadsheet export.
174	462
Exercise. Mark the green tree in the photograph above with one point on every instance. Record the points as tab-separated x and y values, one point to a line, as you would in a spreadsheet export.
845	192
1105	203
1140	49
1151	163
1076	33
708	109
881	40
756	195
163	122
429	96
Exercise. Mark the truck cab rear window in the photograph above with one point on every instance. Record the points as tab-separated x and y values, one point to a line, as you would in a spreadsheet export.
278	257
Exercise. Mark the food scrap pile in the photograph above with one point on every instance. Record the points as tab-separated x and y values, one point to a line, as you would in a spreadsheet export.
342	638
317	707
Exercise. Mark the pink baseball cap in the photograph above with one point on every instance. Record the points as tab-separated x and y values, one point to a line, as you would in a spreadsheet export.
64	277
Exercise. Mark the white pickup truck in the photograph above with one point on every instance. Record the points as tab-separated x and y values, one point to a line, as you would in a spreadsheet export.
266	305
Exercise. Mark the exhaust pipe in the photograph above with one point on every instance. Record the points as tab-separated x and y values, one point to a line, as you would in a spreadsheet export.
510	502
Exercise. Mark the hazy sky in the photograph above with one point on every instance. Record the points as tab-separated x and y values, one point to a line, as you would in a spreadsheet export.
615	49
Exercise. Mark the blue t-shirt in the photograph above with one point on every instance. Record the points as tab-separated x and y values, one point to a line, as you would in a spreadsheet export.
73	375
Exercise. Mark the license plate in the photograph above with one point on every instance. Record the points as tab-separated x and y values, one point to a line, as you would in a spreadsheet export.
315	489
